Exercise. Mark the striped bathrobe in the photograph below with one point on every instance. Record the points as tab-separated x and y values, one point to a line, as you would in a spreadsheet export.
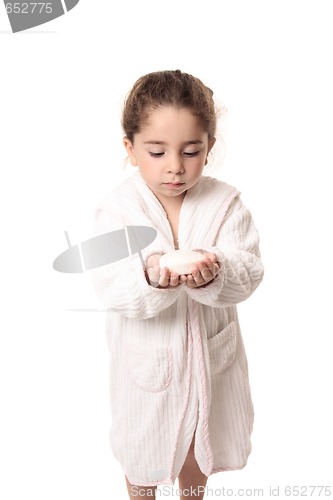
178	365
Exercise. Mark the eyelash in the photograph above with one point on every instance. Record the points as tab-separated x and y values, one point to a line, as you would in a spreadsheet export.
159	155
156	155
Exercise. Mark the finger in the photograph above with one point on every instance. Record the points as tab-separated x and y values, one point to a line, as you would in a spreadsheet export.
190	281
154	273
216	269
213	267
198	277
211	256
203	266
153	260
164	277
174	279
206	274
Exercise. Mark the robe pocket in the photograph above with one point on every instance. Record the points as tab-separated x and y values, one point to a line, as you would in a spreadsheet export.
222	349
149	365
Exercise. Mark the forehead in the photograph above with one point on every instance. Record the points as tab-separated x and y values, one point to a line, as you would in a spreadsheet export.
170	121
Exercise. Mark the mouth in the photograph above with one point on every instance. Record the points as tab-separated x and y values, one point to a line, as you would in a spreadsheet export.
174	185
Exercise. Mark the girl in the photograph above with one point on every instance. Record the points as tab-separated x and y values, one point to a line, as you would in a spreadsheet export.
180	397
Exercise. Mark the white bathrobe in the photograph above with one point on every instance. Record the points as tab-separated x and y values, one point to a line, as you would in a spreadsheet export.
178	364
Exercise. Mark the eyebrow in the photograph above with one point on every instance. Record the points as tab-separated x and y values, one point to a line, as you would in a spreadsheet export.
164	143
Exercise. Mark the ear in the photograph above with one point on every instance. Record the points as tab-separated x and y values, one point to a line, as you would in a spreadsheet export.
210	145
130	151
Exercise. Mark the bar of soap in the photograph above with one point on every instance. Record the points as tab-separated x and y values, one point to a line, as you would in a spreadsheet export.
180	261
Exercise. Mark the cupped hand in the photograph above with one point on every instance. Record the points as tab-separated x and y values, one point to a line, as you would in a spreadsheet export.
163	278
201	273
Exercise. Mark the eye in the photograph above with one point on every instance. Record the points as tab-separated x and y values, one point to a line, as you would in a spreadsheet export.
156	155
195	153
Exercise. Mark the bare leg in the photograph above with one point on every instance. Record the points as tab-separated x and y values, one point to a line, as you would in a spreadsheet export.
141	492
191	478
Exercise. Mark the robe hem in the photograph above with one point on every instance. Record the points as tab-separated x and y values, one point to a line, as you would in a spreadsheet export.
170	481
226	469
164	482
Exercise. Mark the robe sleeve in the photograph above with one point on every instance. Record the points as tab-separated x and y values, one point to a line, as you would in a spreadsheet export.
122	286
238	254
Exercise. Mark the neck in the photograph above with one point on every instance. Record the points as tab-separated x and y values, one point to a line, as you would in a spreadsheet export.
172	204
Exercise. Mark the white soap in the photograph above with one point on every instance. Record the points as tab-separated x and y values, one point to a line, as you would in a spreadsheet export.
180	261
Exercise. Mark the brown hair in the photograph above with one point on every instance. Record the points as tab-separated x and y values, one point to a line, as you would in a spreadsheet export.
168	88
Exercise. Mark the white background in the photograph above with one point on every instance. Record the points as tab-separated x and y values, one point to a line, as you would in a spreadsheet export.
61	90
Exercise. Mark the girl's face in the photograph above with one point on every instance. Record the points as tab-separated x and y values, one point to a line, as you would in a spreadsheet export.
170	151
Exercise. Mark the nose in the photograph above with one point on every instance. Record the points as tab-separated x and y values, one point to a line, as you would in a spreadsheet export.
176	165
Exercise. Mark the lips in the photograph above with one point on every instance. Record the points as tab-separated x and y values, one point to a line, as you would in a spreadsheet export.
174	184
